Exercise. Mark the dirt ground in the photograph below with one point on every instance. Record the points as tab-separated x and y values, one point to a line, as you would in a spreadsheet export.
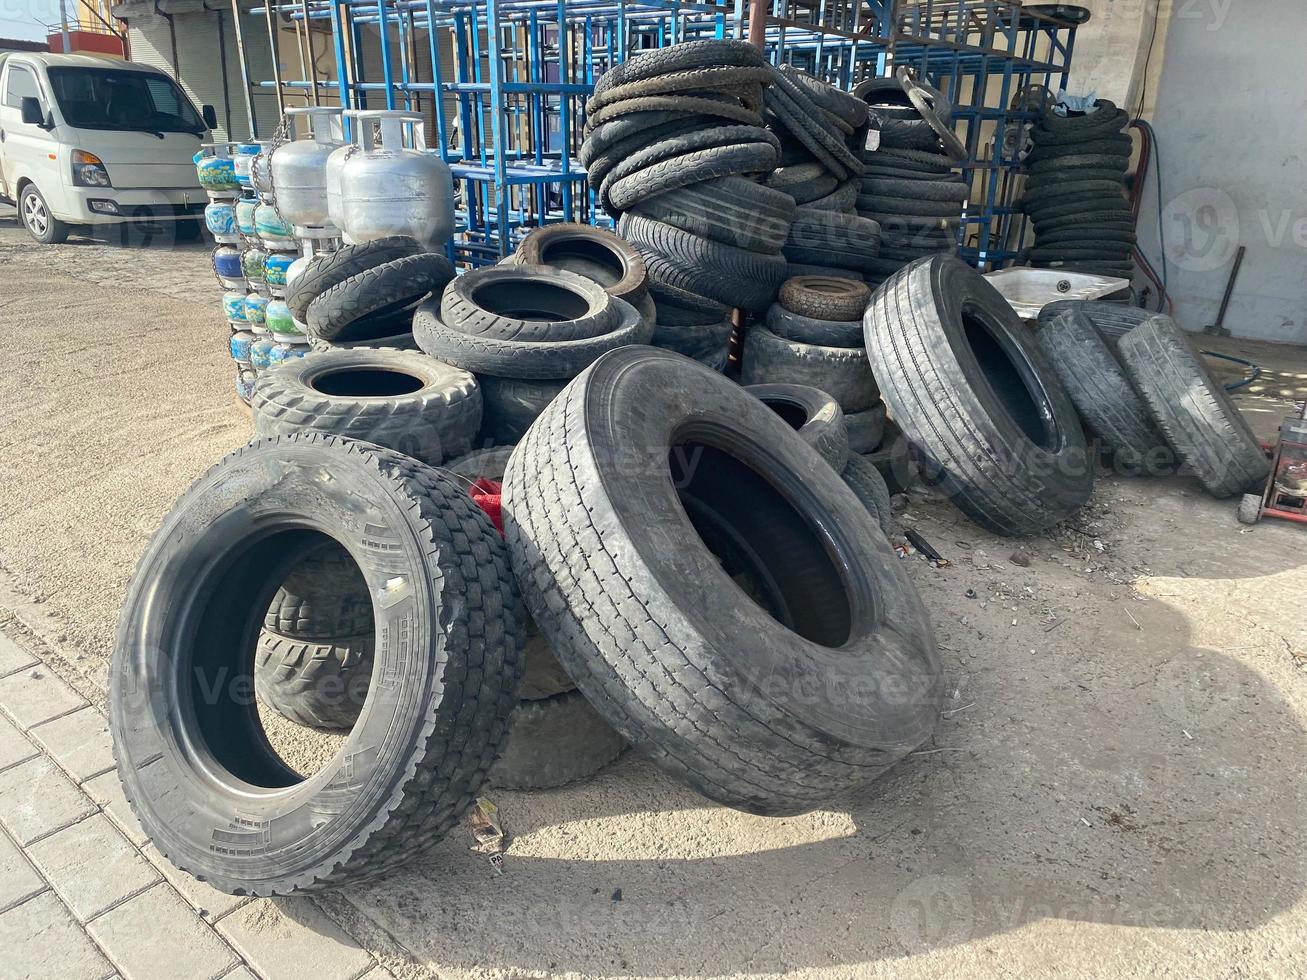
1116	787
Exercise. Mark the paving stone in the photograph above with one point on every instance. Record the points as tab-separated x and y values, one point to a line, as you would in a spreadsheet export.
107	790
40	939
36	695
291	938
36	798
13	657
18	879
91	866
202	895
156	936
14	746
79	742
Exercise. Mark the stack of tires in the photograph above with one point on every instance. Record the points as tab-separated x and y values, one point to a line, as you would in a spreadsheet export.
365	295
910	186
525	331
1075	192
813	336
672	137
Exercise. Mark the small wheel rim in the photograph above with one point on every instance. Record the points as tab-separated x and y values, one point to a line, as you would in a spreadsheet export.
34	214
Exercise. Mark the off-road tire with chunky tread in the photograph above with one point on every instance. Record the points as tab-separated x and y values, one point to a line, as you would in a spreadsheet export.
392	285
825	298
322	684
348	261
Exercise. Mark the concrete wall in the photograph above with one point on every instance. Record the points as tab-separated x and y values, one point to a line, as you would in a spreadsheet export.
1229	114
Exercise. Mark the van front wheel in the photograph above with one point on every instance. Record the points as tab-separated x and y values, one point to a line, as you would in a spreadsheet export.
37	219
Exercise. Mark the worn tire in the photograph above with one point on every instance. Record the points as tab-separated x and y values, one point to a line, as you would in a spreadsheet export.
527	304
690	168
730	275
319	683
828	238
920	190
1194	411
349	310
448	645
841	372
521	358
322	597
977	398
697	341
402	400
658	634
714	78
400	341
595	253
348	261
825	298
732	210
510	405
810	330
1112	320
681	57
869	486
680	307
555	741
841	200
908	206
865	430
720	107
679	148
813	414
895	460
1101	393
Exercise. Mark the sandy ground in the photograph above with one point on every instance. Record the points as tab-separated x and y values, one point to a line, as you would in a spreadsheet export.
1116	787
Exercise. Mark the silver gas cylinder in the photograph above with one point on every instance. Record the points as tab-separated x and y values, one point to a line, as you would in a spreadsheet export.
299	171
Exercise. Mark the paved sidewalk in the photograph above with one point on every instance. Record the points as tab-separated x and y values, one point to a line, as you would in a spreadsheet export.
83	896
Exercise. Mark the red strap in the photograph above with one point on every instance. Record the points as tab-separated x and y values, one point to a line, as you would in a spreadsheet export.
487	495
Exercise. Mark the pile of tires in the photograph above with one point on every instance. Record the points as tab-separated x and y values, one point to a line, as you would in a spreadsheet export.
524	331
1141	387
1075	192
813	336
365	295
910	186
673	138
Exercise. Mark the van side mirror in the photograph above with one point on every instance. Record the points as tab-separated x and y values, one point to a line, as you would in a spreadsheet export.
210	115
31	111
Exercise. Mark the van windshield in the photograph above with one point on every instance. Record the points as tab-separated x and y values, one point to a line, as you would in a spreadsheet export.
110	98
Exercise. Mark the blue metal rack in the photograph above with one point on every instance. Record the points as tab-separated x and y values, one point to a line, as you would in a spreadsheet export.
505	81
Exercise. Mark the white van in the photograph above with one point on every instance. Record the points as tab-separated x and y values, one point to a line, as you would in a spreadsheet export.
87	140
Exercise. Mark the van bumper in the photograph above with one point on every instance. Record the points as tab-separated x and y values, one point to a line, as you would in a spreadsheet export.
111	206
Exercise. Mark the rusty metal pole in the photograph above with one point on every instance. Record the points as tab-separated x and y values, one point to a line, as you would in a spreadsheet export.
758	22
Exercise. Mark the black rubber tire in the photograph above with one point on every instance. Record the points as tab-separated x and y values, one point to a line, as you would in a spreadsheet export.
1193	410
1059	178
690	168
347	310
536	360
555	741
852	111
865	430
322	597
348	261
832	239
510	405
841	200
684	679
722	108
680	307
869	487
895	460
825	298
647	127
400	341
1088	251
697	341
1110	206
921	190
1115	144
449	647
801	116
1118	220
402	400
602	164
1104	116
912	253
906	206
1102	394
730	275
903	134
1073	191
841	372
901	224
977	398
595	253
527	304
928	163
54	232
714	78
813	414
681	57
626	173
732	210
885	171
818	187
319	683
1075	234
794	270
1112	320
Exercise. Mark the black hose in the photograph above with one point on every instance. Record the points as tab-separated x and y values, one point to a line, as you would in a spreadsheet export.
1256	369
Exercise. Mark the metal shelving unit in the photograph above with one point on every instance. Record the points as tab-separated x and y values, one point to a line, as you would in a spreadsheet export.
504	83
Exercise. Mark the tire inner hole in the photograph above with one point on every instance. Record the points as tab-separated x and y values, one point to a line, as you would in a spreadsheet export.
1011	380
763	543
791	414
590	259
366	383
523	299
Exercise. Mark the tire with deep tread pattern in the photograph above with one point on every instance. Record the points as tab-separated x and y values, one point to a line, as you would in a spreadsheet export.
324	596
732	210
1193	410
813	414
1102	394
349	310
555	741
977	398
332	268
719	107
841	372
528	304
402	400
841	200
656	627
679	148
921	190
690	168
825	298
687	56
866	482
319	683
448	644
595	253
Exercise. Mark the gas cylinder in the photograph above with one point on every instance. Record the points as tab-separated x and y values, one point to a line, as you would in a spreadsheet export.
256	309
227	267
275	267
299	172
216	169
281	324
220	219
242	156
272	230
233	306
393	186
252	260
245	209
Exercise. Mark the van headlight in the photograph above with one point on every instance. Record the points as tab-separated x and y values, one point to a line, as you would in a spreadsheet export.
89	171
